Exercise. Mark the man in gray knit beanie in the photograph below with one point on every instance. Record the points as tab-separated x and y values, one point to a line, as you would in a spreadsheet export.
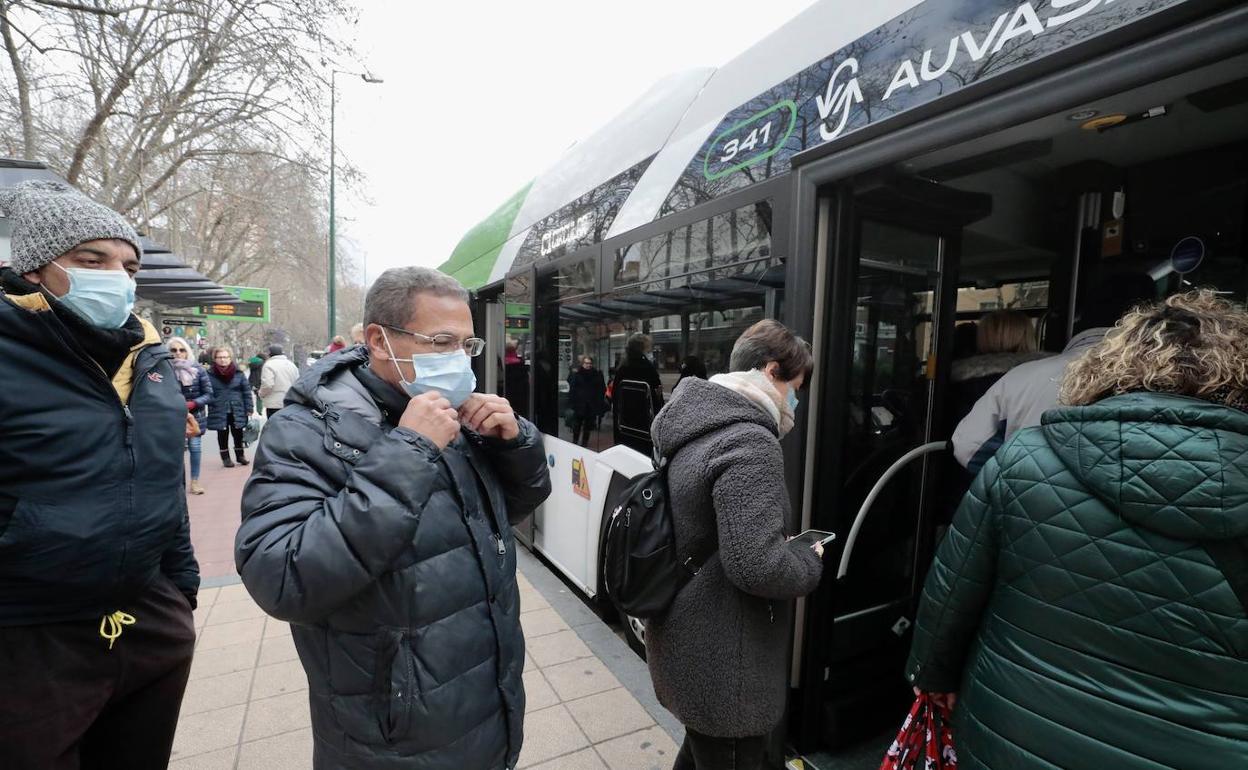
97	578
51	218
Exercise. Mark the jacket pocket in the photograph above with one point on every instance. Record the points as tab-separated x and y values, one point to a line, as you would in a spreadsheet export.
393	683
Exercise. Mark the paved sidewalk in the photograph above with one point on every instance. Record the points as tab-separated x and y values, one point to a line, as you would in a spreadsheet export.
590	702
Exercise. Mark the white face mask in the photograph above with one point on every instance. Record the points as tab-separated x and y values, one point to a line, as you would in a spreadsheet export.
448	373
103	297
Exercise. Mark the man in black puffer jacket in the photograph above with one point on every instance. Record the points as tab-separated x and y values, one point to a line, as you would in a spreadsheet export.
97	577
377	520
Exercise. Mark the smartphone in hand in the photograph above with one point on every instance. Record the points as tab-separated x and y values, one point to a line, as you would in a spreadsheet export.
812	536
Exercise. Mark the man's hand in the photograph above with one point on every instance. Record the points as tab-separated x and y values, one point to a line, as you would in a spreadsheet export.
489	416
431	415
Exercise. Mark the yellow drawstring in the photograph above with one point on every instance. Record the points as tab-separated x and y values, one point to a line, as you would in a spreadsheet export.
112	625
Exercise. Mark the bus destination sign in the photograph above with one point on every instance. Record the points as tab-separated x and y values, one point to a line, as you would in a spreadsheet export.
253	308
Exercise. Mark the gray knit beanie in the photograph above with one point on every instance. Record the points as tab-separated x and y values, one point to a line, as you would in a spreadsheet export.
50	218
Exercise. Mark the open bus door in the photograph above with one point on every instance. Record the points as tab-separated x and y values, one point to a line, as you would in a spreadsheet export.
894	263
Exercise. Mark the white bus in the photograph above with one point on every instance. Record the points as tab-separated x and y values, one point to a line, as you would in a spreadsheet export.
870	174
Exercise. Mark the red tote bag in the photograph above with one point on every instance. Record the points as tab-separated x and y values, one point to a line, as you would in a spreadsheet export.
925	741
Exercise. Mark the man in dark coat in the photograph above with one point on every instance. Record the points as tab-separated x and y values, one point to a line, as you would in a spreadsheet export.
587	394
377	520
97	576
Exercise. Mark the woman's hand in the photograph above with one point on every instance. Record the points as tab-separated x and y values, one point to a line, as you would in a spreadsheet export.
818	548
947	699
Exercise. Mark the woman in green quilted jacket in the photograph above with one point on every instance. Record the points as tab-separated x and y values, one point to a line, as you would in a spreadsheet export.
1088	606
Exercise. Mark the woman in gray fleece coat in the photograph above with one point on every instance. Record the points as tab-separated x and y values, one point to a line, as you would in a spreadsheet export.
718	655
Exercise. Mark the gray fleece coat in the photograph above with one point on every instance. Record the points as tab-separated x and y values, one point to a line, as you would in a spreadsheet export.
718	657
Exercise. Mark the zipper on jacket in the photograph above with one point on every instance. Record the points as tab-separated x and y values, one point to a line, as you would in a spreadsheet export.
129	425
771	611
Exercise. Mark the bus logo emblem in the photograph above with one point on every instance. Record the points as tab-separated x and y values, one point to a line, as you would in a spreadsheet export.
838	97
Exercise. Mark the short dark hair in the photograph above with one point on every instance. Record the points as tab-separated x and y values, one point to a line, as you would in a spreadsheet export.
275	350
389	299
768	341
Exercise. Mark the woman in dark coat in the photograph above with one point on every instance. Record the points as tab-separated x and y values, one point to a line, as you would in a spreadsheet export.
231	405
587	391
636	395
197	390
1089	607
718	656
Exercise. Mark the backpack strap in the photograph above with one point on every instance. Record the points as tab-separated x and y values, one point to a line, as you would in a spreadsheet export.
1231	556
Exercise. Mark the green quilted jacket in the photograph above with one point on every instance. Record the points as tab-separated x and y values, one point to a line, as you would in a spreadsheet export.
1075	606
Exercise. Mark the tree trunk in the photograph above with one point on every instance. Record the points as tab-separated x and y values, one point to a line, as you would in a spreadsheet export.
23	84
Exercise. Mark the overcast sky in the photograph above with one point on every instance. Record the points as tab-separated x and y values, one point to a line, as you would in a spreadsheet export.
480	97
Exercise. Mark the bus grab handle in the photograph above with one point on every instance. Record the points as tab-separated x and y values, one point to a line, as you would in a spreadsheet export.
919	451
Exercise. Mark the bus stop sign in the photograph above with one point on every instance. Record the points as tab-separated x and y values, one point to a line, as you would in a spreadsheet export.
254	307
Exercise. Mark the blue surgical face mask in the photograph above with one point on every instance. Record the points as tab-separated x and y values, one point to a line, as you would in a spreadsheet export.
792	399
103	297
448	373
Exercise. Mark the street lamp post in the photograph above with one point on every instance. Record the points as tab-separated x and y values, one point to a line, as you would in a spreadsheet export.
333	240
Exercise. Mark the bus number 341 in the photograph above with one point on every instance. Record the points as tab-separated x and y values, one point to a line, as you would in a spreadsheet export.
732	148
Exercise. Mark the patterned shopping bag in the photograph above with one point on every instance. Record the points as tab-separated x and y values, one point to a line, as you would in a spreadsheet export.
925	741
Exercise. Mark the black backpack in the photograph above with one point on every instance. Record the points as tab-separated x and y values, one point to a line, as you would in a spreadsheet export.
642	565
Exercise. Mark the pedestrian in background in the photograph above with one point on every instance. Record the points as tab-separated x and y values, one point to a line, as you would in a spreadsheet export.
97	575
231	406
254	372
1089	607
338	343
197	390
278	375
587	391
357	334
718	656
378	521
1020	396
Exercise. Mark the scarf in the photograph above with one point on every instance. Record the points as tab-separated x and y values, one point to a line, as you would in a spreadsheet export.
225	373
184	370
758	388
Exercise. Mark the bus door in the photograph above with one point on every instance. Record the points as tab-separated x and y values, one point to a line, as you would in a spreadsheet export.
894	267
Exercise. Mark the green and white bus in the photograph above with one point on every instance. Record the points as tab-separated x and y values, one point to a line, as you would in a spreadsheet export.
870	174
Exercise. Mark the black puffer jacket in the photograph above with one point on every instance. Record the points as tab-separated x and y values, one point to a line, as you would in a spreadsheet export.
395	563
92	496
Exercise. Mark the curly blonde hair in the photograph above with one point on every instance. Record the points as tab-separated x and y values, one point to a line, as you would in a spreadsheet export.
1193	344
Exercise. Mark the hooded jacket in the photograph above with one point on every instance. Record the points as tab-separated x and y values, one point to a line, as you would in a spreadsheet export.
92	495
1080	603
718	656
1015	401
395	564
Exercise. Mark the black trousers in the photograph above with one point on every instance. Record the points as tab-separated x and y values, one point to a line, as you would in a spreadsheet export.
704	752
69	702
223	437
582	426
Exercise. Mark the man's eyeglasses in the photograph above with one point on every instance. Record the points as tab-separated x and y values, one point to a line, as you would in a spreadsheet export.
447	343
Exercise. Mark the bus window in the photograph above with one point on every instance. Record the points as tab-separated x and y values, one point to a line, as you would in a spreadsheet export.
680	301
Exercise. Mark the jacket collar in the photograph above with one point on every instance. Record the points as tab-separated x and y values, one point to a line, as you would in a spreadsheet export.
111	349
390	401
1085	339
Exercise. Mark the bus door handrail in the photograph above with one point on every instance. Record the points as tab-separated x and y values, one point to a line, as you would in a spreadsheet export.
901	462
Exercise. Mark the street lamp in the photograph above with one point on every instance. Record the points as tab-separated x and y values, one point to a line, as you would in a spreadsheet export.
333	102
